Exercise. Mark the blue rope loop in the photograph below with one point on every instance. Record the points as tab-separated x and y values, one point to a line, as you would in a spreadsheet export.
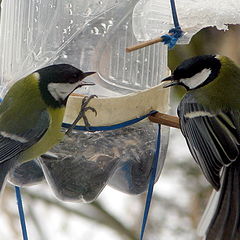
112	127
175	33
21	213
173	36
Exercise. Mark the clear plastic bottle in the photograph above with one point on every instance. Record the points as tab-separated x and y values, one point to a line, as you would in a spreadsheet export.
92	36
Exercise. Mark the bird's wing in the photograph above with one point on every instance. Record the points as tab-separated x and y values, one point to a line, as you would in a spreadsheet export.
213	138
13	142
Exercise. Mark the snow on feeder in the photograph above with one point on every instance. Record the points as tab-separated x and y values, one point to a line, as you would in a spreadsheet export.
91	36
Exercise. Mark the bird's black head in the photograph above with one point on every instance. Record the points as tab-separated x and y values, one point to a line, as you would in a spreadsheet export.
57	82
195	72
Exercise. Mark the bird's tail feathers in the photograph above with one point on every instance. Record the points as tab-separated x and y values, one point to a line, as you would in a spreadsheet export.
4	170
221	219
208	213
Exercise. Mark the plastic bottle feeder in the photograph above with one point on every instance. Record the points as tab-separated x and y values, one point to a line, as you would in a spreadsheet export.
92	36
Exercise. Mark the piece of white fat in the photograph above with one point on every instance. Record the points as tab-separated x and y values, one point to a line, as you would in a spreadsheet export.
152	18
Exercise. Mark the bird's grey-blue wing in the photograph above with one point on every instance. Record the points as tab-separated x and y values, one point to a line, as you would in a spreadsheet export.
212	137
12	144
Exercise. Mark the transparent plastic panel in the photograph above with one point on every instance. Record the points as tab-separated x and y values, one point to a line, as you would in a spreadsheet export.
79	172
81	166
26	174
153	18
33	32
132	174
90	35
101	47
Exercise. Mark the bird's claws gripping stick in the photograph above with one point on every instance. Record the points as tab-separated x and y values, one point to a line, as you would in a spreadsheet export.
82	115
165	119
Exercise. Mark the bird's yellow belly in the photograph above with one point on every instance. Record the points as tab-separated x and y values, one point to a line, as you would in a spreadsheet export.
52	136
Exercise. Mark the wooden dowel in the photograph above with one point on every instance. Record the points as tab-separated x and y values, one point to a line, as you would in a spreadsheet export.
144	44
165	119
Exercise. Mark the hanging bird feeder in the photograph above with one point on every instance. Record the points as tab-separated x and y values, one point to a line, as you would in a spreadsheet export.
93	35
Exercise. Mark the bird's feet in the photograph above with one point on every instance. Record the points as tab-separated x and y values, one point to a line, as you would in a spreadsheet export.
82	114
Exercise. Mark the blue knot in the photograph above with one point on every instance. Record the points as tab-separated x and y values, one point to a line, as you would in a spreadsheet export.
173	36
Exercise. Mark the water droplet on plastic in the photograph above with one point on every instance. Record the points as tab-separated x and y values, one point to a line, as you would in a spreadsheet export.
96	30
64	55
52	5
87	12
103	25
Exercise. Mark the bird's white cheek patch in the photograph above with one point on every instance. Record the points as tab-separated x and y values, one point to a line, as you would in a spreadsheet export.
197	79
198	114
61	90
13	137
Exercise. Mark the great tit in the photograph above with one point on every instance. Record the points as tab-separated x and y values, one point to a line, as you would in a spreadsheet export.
32	111
209	116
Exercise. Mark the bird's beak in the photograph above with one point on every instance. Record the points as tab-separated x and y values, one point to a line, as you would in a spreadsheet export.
86	74
172	83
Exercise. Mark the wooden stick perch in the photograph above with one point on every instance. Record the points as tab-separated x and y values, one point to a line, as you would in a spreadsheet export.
145	44
165	119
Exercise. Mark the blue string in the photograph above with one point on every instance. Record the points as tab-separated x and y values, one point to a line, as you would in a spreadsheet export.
174	14
21	213
151	183
176	32
109	128
171	40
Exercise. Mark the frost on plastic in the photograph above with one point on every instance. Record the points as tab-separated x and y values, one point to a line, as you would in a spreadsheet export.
152	18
